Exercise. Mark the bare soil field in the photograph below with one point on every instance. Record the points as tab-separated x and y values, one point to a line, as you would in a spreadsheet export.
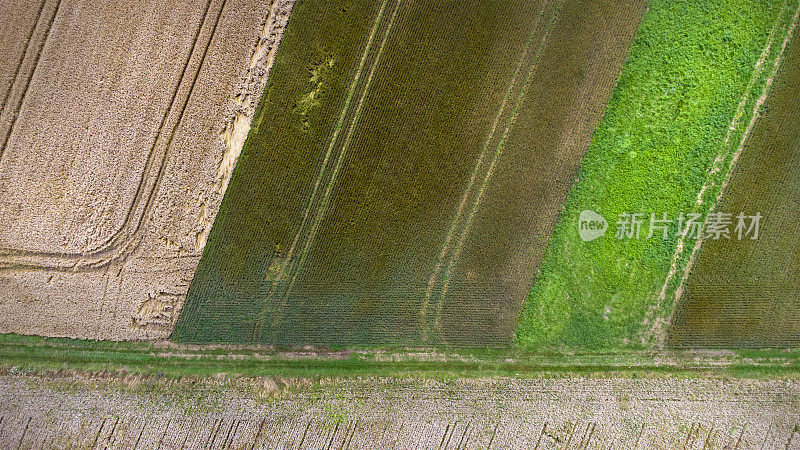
406	172
81	411
746	293
120	125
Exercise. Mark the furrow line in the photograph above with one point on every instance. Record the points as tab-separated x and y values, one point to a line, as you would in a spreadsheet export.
22	56
18	108
291	264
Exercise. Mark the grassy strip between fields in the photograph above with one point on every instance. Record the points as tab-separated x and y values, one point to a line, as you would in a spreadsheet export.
28	354
689	68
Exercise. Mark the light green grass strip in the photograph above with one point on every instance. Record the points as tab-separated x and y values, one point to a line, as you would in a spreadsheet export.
689	67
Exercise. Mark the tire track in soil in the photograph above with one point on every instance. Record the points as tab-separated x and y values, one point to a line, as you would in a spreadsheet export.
541	45
22	57
657	330
21	101
296	263
117	242
320	176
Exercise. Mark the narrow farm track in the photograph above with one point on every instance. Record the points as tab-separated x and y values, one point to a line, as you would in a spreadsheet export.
754	115
14	112
743	293
326	198
21	58
119	154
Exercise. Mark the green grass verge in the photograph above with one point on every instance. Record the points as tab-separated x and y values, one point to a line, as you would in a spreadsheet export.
687	71
36	354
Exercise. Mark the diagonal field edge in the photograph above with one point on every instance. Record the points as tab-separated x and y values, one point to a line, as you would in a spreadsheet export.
716	166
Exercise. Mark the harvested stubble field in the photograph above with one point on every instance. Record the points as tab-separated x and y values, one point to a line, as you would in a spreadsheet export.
89	411
747	293
404	170
119	125
684	105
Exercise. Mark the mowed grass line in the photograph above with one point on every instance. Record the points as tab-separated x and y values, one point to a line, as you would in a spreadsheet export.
686	72
32	354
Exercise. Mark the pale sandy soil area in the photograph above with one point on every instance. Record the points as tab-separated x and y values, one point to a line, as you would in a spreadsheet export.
120	126
51	412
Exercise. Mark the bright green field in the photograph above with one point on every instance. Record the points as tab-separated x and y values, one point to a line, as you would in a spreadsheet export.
689	66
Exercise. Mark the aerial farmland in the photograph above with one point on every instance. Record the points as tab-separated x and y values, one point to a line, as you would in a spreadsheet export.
421	170
106	199
399	224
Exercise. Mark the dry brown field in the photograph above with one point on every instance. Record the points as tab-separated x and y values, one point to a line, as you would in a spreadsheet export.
120	125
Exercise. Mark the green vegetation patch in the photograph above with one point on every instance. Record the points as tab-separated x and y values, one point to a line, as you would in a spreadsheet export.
688	70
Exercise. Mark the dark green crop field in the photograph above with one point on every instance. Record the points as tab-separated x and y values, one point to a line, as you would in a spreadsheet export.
746	293
684	101
404	170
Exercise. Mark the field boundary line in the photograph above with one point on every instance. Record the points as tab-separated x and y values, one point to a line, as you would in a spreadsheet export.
22	56
484	151
740	148
717	166
340	160
112	249
720	156
39	50
498	152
